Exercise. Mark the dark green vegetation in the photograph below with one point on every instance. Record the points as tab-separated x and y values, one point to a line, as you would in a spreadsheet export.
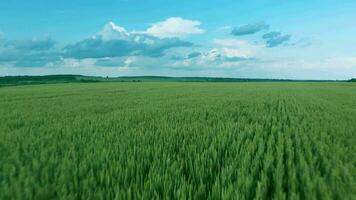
353	80
30	80
178	141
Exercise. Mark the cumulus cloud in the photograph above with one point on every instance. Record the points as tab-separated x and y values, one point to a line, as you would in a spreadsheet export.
158	50
237	48
212	61
111	43
111	31
28	53
223	56
175	27
274	39
115	41
228	53
249	29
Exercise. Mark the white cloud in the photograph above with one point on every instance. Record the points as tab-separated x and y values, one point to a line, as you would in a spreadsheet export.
175	27
228	53
115	41
237	48
111	31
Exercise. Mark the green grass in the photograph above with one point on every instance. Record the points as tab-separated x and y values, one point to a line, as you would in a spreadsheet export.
178	141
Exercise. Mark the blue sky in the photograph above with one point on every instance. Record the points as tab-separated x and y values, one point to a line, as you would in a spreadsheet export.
305	39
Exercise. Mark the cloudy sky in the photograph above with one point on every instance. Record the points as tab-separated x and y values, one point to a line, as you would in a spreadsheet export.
304	39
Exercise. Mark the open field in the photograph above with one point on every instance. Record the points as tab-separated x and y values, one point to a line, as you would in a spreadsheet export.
178	141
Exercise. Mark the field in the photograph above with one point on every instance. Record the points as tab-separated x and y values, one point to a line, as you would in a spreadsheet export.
172	140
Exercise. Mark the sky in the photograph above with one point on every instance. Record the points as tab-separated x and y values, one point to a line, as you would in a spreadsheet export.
304	39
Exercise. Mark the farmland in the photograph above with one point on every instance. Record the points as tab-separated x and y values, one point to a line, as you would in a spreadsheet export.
170	140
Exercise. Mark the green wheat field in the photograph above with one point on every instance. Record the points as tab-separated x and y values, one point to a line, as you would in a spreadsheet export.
171	140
